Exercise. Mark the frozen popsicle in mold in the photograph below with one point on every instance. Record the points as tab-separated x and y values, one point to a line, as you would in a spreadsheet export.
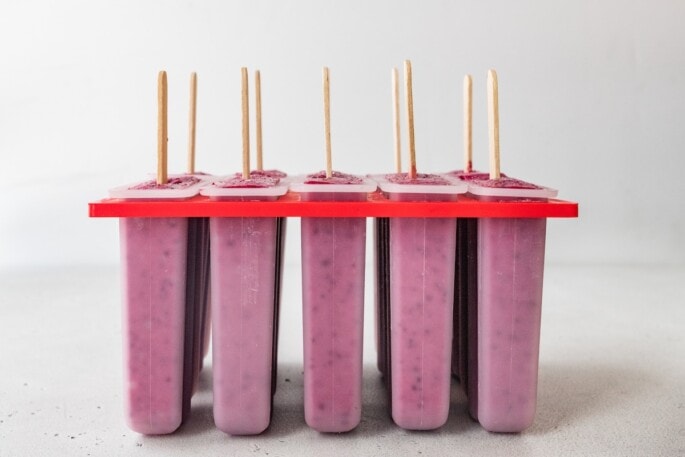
381	258
421	257
333	252
245	256
511	255
154	254
197	267
415	265
281	222
244	279
465	275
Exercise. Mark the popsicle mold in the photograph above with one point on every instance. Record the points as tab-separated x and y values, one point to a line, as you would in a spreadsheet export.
160	410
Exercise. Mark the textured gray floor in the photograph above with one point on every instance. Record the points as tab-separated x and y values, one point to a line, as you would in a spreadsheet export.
612	376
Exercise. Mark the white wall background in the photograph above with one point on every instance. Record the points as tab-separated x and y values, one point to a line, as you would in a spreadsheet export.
591	102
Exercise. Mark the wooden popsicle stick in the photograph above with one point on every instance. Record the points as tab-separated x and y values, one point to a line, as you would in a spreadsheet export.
258	115
162	136
396	119
468	124
246	124
410	118
493	124
327	120
192	123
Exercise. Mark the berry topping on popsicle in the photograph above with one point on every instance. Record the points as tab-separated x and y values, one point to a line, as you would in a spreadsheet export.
420	178
336	177
179	182
254	181
269	173
505	183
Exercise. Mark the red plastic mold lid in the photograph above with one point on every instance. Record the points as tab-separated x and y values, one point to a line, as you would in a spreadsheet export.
290	205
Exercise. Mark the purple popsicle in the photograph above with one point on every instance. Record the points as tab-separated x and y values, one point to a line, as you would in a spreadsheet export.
244	260
421	259
333	251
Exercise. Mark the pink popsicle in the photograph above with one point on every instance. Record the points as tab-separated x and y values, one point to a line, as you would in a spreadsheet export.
198	283
198	271
333	251
422	260
243	287
465	327
511	256
153	254
244	277
156	304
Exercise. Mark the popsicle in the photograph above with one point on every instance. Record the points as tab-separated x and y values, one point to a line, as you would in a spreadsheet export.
421	257
333	252
155	283
281	227
245	258
464	339
197	287
382	267
244	286
281	223
511	255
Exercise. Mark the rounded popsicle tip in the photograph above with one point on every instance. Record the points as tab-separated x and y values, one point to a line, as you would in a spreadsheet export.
160	425
330	422
492	75
238	425
410	421
497	422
